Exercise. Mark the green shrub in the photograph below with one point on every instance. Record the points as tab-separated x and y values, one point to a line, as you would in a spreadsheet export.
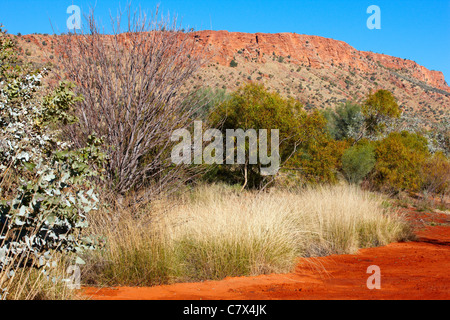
204	100
377	109
436	173
357	162
253	107
346	121
233	63
400	158
319	157
305	144
45	189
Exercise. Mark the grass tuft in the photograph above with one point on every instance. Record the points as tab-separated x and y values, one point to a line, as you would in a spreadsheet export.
215	232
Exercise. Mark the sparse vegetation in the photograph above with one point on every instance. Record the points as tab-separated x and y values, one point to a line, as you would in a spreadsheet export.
233	63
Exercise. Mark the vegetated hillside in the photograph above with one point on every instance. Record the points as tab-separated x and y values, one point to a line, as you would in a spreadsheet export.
320	72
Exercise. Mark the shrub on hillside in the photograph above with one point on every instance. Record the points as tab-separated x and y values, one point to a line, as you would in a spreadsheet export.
436	173
304	141
357	162
400	158
346	121
233	63
377	109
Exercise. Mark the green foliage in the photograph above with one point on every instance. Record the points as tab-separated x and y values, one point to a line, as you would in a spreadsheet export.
346	121
205	100
319	156
400	159
357	162
379	107
305	145
45	189
233	63
253	107
57	105
350	120
9	68
436	173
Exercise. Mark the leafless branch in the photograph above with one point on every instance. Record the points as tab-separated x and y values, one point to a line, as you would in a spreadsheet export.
135	90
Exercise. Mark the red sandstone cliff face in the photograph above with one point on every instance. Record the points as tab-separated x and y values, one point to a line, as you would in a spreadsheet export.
319	72
312	51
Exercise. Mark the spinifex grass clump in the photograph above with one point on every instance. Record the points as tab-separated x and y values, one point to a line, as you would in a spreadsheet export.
136	253
214	232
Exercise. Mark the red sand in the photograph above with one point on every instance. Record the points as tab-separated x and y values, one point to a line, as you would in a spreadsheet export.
412	270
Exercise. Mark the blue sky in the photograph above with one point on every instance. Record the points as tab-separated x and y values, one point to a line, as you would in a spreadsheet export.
414	29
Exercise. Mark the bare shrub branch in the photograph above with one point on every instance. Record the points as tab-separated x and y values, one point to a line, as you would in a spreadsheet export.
135	90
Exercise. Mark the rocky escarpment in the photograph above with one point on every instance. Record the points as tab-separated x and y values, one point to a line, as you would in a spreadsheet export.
312	51
320	72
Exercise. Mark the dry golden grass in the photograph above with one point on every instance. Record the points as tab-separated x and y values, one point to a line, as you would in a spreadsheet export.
213	232
30	283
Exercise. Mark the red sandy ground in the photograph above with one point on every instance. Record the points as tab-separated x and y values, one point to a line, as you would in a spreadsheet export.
412	270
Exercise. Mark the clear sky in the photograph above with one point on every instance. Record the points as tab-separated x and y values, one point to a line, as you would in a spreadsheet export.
414	29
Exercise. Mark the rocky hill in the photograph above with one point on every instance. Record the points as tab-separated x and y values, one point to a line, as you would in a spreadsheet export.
318	71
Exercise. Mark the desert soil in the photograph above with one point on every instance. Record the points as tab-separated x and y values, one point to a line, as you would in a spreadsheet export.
410	270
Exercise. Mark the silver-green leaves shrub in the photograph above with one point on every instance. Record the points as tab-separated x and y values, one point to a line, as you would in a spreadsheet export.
46	187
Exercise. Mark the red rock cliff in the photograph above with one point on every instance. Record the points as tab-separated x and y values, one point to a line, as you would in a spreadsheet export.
313	51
